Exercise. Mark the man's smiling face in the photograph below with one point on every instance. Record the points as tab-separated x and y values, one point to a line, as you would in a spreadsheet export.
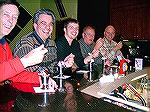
44	26
8	18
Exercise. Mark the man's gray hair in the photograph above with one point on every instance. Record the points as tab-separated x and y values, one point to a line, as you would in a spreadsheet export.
43	11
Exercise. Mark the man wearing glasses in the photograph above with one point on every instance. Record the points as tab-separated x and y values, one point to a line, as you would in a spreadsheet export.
87	48
43	22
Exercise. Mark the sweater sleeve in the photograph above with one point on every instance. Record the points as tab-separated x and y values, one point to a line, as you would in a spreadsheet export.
26	77
25	81
10	68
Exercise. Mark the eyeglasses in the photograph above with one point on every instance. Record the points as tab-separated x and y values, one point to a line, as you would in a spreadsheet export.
43	24
14	17
89	34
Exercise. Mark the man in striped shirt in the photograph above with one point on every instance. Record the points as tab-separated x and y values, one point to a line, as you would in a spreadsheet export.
43	22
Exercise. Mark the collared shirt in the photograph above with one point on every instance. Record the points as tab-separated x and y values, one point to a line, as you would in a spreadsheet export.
85	49
2	41
107	50
32	41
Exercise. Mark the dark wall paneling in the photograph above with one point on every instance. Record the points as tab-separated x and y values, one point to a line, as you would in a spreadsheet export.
59	28
24	17
93	12
13	34
131	18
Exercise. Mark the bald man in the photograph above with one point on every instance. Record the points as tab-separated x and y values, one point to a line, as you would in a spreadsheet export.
109	48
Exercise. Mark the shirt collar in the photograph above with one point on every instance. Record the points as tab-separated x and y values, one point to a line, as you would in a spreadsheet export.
2	41
40	40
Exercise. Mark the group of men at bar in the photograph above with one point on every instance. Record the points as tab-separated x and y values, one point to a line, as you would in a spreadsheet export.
38	50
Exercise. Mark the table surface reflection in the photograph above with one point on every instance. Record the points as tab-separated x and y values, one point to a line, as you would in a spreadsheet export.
64	102
77	101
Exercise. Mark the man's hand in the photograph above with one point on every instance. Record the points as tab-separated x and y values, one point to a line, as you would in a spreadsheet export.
69	60
87	59
95	53
118	46
34	57
99	43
